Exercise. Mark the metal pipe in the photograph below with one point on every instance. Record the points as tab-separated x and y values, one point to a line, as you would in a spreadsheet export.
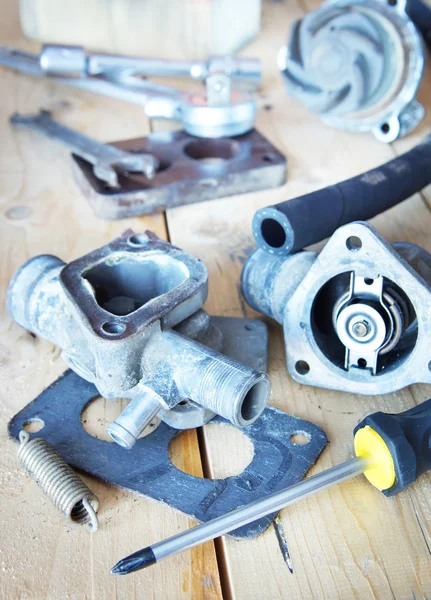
75	61
241	516
137	415
212	380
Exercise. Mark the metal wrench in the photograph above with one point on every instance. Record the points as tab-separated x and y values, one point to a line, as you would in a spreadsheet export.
221	112
107	160
75	61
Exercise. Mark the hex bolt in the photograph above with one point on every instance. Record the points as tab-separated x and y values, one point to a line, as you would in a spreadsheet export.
360	329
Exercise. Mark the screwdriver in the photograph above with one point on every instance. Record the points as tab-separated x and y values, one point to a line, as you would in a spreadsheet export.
392	451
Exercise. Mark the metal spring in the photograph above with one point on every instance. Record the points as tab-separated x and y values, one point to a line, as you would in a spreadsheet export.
58	481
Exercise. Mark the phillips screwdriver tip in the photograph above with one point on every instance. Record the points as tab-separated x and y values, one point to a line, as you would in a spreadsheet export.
139	560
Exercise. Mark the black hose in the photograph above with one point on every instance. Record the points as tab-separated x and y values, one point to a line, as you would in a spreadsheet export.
290	226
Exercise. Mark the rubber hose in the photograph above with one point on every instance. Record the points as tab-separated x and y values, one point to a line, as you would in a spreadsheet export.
294	224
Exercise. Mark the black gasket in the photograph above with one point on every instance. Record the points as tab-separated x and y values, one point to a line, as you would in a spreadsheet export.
147	469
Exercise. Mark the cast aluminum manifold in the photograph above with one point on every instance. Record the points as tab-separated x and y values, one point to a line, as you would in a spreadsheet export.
113	313
356	317
358	64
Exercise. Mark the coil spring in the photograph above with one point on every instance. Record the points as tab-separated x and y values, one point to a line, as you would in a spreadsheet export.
58	481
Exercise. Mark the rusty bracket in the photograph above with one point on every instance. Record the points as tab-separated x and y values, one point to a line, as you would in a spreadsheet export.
191	170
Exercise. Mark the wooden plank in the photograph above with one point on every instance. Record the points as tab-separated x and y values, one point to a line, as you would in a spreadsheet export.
42	211
161	28
349	542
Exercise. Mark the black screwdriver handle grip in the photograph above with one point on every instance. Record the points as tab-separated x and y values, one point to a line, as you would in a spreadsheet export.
408	438
290	226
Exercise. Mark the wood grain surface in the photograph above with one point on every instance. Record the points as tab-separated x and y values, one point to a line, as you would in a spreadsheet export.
349	542
177	29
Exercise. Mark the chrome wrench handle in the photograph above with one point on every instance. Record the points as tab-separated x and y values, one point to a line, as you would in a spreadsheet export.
198	113
75	61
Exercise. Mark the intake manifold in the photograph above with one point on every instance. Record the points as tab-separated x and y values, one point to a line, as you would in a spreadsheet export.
128	318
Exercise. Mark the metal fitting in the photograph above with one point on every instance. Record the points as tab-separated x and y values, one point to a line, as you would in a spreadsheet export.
355	316
113	312
358	64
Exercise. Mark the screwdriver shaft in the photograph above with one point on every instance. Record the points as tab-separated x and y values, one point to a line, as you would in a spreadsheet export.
241	516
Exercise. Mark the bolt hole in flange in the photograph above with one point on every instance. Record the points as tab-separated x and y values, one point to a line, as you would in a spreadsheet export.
273	233
385	127
212	150
233	450
326	336
362	363
138	240
302	367
34	425
99	413
354	243
113	327
300	438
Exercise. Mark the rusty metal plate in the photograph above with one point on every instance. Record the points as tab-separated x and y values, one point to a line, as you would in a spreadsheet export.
191	170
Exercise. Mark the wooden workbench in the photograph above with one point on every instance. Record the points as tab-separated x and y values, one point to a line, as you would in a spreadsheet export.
349	542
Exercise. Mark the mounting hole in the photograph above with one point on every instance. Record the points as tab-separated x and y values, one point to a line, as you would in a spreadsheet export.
211	150
268	158
362	363
233	450
368	281
385	126
302	367
138	240
250	327
113	327
99	413
354	243
392	2
273	233
33	425
300	438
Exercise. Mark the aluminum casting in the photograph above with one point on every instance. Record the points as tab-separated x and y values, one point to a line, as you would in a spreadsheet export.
355	317
358	64
112	312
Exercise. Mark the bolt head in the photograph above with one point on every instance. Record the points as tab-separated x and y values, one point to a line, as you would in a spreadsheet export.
360	329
